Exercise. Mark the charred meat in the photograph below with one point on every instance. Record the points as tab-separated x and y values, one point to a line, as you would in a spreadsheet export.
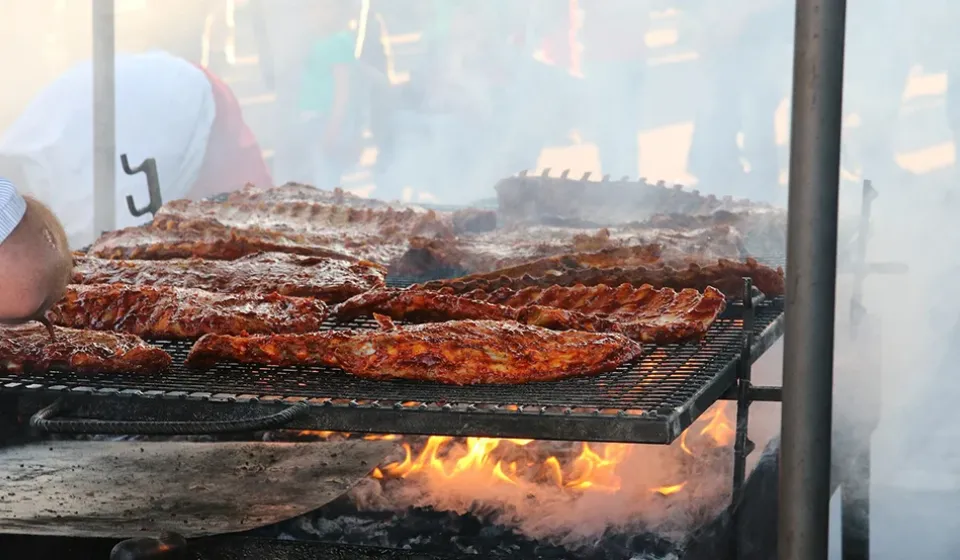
725	275
331	280
208	239
174	313
457	352
28	348
293	192
425	306
383	225
523	198
646	314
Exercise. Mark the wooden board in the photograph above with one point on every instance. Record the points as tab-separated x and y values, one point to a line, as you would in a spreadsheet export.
106	489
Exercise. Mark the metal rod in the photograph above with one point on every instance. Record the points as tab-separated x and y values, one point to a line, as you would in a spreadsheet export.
855	507
804	498
855	473
757	393
740	448
860	256
744	370
104	118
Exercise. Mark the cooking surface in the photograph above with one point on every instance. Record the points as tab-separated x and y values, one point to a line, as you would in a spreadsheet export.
649	400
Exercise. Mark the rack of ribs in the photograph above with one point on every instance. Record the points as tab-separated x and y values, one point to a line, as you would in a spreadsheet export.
647	314
424	306
456	352
208	239
331	280
293	192
312	219
166	312
724	275
28	348
659	316
524	197
468	220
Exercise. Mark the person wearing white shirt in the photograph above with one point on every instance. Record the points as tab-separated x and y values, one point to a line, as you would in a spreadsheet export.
35	261
167	108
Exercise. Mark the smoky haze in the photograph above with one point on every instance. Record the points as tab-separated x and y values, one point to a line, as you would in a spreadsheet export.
487	115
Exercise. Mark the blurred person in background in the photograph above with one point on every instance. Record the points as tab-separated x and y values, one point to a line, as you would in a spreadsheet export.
444	111
471	112
166	108
286	30
35	259
614	63
220	34
746	51
337	91
874	85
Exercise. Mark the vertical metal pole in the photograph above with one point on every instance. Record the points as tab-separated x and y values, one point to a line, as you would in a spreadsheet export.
744	373
804	500
104	118
855	469
740	446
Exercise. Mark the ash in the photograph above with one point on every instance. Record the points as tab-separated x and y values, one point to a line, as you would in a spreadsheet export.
429	531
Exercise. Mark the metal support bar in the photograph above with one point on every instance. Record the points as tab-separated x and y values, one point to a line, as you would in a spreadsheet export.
855	472
804	497
104	118
855	506
756	393
860	270
740	446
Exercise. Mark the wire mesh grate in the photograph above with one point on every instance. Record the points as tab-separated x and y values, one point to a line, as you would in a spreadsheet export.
663	378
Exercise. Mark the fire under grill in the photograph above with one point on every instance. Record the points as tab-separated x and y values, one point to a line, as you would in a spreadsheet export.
649	400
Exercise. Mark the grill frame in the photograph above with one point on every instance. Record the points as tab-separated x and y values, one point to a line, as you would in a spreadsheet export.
568	415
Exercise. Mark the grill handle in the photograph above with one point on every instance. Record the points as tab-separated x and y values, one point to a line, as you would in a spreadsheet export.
44	421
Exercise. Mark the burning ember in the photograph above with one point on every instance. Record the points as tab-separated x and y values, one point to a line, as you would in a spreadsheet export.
548	488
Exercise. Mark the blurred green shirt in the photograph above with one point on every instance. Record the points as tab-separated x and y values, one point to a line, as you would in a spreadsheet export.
317	88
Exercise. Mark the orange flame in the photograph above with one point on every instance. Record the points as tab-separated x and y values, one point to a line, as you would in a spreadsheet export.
669	490
501	461
719	427
591	470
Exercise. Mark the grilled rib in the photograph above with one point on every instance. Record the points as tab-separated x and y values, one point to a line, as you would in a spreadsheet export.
28	348
169	238
521	198
424	306
420	306
616	256
293	192
314	219
725	275
331	280
173	313
469	220
646	314
457	352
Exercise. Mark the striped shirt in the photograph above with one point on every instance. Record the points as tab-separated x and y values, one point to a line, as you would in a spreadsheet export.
12	208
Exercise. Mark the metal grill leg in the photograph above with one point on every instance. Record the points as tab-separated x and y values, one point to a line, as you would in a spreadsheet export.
741	447
855	508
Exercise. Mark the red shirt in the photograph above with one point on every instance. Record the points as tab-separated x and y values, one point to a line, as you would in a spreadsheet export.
233	157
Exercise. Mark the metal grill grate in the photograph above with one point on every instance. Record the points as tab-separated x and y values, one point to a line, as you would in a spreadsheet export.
664	390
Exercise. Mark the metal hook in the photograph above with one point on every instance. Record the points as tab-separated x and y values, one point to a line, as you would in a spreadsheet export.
148	168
